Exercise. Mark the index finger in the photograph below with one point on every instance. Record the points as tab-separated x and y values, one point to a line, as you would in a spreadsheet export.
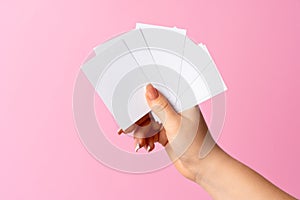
145	120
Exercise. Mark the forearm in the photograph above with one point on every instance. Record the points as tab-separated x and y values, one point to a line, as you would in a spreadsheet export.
226	178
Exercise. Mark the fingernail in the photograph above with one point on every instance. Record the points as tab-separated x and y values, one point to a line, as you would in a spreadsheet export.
148	148
137	147
120	131
152	92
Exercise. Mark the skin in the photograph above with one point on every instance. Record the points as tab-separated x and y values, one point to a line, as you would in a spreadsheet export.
222	176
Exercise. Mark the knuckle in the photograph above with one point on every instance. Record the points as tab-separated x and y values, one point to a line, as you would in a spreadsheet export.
160	107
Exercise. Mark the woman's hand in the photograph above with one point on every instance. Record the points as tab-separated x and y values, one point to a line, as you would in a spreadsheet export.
184	135
181	134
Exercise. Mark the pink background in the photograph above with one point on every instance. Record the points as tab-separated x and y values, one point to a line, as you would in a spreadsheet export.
42	44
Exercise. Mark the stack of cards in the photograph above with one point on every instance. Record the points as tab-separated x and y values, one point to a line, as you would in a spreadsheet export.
120	68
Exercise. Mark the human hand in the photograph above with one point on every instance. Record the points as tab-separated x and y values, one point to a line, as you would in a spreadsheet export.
181	134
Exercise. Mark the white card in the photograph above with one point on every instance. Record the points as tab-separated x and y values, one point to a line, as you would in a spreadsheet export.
182	70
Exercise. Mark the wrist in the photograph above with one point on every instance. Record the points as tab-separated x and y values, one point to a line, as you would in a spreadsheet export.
210	164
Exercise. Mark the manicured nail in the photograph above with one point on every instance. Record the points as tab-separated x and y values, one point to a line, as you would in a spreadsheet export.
137	147
152	92
148	148
120	131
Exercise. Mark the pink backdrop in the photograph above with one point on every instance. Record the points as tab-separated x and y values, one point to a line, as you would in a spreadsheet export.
42	44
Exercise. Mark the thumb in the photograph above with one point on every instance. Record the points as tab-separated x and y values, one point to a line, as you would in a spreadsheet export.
161	106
